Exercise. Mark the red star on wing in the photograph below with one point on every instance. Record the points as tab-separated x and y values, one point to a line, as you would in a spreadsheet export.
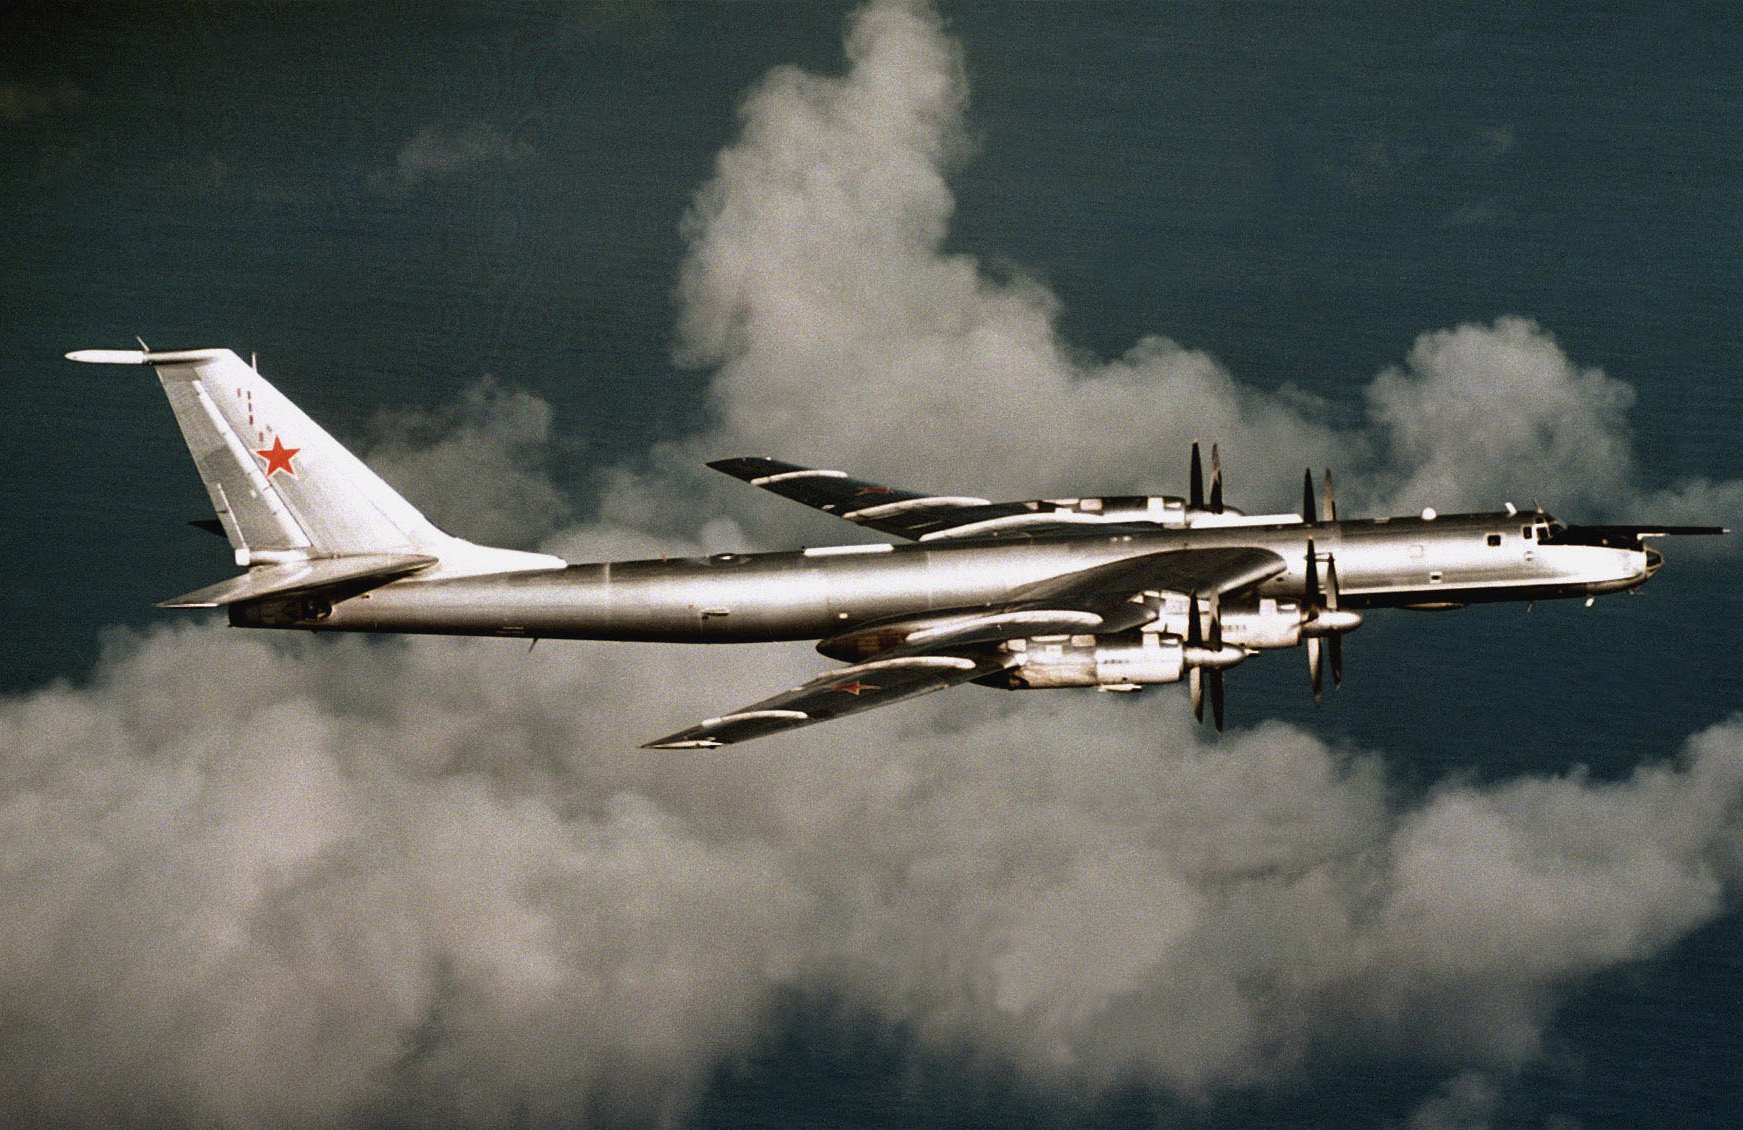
278	457
854	687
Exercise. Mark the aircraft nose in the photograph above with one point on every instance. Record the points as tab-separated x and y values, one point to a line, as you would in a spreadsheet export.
1654	560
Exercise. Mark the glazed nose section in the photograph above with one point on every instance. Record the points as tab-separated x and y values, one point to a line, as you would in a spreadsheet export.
1654	560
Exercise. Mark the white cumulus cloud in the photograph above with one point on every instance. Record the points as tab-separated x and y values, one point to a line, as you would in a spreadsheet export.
257	881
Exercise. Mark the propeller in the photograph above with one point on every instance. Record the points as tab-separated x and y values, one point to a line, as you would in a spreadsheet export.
1196	498
1194	638
1323	622
1309	509
1200	674
1335	641
1216	644
1216	481
1310	589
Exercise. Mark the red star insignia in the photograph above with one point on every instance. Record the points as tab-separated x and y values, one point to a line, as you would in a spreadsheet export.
871	490
854	687
278	457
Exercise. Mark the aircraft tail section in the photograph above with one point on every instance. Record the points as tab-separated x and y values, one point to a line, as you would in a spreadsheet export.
284	490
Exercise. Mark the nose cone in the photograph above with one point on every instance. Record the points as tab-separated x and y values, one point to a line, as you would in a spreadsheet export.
1654	561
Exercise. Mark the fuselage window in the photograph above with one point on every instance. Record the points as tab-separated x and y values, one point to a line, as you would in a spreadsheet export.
1494	539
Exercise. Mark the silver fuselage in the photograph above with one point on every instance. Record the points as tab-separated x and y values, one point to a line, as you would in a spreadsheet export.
816	593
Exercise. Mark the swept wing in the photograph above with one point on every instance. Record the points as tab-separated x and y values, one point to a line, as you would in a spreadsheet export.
846	690
915	515
900	659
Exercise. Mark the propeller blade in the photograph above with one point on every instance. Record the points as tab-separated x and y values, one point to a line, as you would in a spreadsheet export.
1331	505
1331	604
1309	511
1313	665
1196	676
1216	481
1196	497
1311	582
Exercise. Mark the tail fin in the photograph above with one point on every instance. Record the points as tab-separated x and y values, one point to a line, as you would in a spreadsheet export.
285	491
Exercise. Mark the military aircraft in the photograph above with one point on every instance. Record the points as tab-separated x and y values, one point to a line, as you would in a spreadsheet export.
1112	593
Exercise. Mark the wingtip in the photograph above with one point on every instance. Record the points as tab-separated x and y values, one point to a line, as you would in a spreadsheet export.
737	461
675	742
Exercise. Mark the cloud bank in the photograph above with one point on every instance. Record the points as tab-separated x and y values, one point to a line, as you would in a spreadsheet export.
475	469
255	881
252	881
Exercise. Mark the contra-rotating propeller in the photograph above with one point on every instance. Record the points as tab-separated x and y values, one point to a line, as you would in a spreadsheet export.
1318	602
1323	622
1206	655
1196	499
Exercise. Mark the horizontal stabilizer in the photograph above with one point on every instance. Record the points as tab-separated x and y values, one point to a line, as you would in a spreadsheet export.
303	576
147	357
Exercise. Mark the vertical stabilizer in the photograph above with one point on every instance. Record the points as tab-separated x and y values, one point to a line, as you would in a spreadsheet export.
282	487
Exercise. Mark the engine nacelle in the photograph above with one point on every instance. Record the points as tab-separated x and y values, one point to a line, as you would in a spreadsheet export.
1123	662
1270	624
1147	509
1158	510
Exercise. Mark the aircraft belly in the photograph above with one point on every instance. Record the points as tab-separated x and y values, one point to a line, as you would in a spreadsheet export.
599	602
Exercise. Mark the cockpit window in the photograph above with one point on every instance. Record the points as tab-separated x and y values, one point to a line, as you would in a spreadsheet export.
1525	532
